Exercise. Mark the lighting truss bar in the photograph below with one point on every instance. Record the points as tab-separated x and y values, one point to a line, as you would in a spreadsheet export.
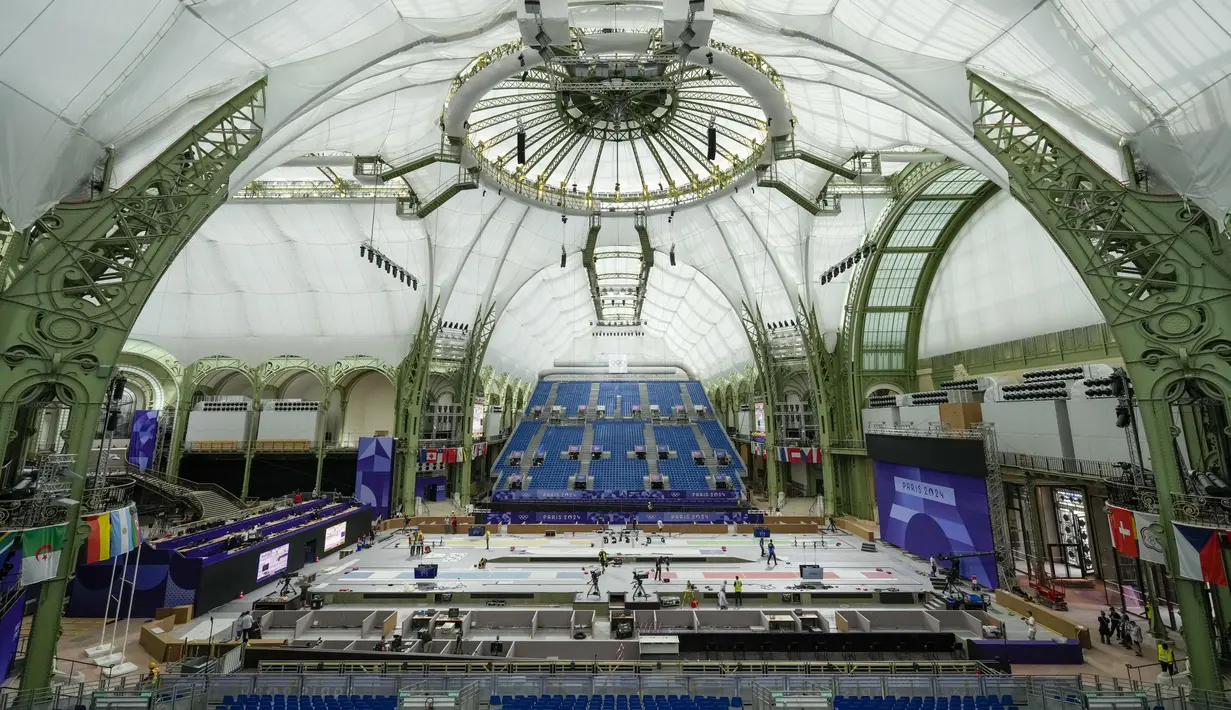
368	250
717	112
521	113
515	99
317	190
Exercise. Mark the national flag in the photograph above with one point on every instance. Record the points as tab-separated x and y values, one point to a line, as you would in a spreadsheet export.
1123	531
1200	554
1151	543
124	535
7	539
98	540
432	456
40	553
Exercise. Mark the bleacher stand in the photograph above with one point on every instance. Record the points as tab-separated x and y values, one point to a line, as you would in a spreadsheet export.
619	472
923	702
309	702
697	394
682	472
614	702
555	471
666	395
629	394
572	395
719	441
520	439
541	392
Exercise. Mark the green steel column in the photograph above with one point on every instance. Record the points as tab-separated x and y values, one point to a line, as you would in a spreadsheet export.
322	414
74	284
411	390
814	351
250	439
1160	271
472	365
758	338
179	427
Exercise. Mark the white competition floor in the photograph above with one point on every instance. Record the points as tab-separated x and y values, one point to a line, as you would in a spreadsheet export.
519	564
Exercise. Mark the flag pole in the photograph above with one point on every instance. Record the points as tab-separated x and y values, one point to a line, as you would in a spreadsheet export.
102	637
132	593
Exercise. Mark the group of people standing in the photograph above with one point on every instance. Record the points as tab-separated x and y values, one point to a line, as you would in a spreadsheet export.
1126	632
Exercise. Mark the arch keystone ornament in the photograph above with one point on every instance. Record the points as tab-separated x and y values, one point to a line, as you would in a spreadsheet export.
1161	274
73	283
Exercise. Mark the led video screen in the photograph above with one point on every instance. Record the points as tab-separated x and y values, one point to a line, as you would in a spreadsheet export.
335	536
272	561
931	512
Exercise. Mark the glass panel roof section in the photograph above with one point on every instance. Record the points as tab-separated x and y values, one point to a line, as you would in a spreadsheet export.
895	279
962	181
922	223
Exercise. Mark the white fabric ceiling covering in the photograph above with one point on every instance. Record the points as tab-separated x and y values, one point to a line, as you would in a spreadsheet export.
1003	278
371	76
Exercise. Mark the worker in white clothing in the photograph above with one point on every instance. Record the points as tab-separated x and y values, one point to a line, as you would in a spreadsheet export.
1031	625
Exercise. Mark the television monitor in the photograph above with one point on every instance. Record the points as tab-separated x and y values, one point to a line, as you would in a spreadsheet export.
335	536
272	561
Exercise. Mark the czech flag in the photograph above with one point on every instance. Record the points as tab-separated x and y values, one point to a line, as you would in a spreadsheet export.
1200	554
1123	531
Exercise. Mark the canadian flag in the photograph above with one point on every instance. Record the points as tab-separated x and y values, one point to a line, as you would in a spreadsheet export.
1123	531
433	456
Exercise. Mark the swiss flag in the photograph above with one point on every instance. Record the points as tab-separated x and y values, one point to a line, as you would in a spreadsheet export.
1123	531
795	455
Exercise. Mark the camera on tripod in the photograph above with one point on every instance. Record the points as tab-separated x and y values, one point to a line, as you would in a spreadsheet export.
641	575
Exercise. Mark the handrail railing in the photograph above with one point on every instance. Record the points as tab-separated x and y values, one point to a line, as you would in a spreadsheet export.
49	505
1103	470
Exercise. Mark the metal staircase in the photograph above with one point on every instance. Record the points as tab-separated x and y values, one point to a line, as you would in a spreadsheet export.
688	410
651	446
644	391
551	399
592	405
587	441
205	500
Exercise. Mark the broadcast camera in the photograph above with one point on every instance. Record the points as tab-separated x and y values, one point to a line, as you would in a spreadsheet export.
641	575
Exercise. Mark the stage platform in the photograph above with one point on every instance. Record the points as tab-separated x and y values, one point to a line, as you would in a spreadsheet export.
540	570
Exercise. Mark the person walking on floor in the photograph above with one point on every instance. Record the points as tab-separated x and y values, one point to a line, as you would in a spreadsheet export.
1104	627
761	540
1115	622
1166	658
1031	626
1138	638
773	556
658	569
487	537
932	562
722	597
739	592
245	626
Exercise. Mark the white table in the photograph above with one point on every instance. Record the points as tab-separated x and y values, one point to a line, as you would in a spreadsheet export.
660	645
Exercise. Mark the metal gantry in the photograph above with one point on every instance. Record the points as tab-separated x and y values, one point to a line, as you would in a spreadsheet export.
74	284
470	387
412	376
1160	271
759	343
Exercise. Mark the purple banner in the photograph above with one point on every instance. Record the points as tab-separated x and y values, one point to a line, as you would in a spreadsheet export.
440	483
678	497
592	518
144	437
10	632
374	473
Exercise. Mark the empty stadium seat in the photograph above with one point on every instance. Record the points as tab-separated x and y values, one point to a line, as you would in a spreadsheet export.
619	472
309	702
719	441
697	394
572	395
616	702
541	392
555	471
924	702
666	395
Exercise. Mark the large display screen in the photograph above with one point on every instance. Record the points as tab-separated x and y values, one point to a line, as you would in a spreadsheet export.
476	424
335	536
272	561
931	512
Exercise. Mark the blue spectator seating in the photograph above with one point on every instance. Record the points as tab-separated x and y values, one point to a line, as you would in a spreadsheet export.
541	392
719	441
629	393
666	395
683	472
520	439
619	473
309	702
924	702
697	394
555	471
614	702
572	395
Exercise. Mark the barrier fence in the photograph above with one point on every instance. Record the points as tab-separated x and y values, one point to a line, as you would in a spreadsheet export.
635	667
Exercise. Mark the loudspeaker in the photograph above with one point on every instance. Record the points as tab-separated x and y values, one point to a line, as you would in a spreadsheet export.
672	255
521	147
711	143
117	388
113	421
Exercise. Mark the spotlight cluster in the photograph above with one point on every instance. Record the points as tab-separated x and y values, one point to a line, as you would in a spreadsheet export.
1036	389
374	256
867	249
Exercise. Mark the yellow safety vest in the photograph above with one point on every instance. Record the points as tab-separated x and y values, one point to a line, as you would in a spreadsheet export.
1165	654
739	586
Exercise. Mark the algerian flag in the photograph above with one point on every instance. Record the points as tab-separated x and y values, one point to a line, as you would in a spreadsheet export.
40	553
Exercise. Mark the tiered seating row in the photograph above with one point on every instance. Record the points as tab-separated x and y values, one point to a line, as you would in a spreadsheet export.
697	394
222	530
519	441
309	702
666	395
555	471
719	441
614	702
539	399
629	394
924	702
619	472
572	395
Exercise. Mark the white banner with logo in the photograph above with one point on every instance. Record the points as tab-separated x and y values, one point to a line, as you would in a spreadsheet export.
617	364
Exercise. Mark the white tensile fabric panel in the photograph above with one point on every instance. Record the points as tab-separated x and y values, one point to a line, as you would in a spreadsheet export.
1002	279
832	239
262	280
